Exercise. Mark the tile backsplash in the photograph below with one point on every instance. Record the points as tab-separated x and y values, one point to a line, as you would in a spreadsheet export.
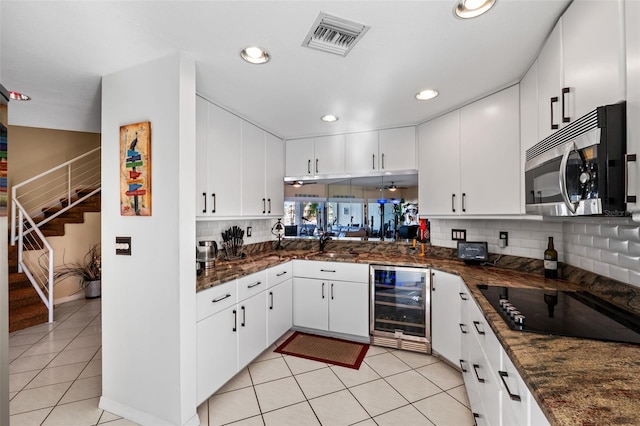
607	247
212	229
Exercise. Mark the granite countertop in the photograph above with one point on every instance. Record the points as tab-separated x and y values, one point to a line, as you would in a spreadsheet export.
575	381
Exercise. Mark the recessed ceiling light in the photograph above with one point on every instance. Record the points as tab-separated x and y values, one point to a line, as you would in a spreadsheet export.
329	118
426	94
466	9
17	96
255	55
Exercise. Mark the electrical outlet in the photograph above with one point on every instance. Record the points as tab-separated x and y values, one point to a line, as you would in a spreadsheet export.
459	234
504	239
123	246
248	231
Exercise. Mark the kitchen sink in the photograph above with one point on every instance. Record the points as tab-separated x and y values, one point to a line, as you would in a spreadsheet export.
334	255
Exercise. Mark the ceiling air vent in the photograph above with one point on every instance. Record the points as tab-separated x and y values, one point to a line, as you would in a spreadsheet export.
334	35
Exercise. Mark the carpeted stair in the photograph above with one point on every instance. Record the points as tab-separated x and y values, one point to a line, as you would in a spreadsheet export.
25	307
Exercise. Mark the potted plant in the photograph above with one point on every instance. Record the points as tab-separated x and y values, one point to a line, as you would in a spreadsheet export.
89	271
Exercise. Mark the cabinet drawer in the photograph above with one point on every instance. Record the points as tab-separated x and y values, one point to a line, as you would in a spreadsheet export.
279	274
335	271
251	284
215	299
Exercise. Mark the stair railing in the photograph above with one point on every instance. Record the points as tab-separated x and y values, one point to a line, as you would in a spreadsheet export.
41	197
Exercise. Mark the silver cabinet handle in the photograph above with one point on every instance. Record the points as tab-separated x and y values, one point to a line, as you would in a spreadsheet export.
476	324
264	205
214	203
309	166
257	283
513	396
462	328
464	197
269	204
281	274
235	320
383	161
204	194
475	369
271	296
453	203
628	158
331	291
323	290
433	285
317	165
565	92
373	162
220	298
244	316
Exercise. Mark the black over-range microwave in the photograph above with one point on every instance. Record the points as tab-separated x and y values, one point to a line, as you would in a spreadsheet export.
581	169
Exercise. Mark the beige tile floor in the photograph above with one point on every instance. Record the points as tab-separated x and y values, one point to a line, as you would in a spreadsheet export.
56	379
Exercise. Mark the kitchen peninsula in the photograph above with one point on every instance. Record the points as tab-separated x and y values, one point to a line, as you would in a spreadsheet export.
574	381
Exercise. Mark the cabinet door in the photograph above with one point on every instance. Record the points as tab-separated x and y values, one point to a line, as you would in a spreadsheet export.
349	308
279	310
528	120
361	152
224	162
216	352
274	178
329	155
439	168
593	61
252	331
202	191
310	303
490	154
550	84
254	201
298	157
445	315
397	148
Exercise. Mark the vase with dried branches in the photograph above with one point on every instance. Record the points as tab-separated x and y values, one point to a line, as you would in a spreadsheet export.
89	271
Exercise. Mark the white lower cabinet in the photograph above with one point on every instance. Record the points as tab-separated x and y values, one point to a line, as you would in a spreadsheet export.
279	310
331	297
497	393
445	315
252	333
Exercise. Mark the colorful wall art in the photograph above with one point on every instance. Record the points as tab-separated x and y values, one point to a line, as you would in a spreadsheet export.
135	169
4	199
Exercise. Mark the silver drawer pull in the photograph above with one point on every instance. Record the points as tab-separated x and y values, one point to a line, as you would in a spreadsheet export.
220	298
327	270
257	283
281	274
513	396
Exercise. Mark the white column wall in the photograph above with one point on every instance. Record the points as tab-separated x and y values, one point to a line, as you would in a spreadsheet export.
148	298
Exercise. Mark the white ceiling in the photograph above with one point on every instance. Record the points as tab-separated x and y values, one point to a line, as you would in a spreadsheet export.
57	51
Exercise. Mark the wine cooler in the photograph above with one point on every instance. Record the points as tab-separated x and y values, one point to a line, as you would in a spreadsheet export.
400	307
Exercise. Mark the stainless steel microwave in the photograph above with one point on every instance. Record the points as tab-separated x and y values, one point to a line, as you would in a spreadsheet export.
581	169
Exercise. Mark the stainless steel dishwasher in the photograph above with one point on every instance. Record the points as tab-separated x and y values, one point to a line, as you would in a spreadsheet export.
400	307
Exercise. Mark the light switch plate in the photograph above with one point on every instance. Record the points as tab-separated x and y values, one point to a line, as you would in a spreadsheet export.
123	246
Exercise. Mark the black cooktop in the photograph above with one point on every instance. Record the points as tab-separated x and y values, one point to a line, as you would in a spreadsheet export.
563	313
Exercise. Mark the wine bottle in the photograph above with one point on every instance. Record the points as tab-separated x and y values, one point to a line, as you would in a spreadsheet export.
550	261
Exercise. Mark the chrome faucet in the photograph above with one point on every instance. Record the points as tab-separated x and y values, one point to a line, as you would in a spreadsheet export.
323	240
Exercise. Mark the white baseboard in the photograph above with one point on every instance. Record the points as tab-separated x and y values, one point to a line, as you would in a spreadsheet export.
76	296
139	416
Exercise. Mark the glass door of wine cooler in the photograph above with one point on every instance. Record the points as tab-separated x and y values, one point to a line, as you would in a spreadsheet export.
400	305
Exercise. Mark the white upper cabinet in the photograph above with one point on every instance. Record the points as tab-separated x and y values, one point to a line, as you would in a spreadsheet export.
254	201
224	149
528	120
582	64
274	160
239	167
593	60
299	157
470	159
361	152
356	154
490	154
397	149
439	165
329	155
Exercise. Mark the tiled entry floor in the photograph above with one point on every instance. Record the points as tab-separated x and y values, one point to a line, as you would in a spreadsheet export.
391	388
56	379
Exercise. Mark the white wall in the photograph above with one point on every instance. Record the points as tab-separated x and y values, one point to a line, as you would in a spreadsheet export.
607	247
148	298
